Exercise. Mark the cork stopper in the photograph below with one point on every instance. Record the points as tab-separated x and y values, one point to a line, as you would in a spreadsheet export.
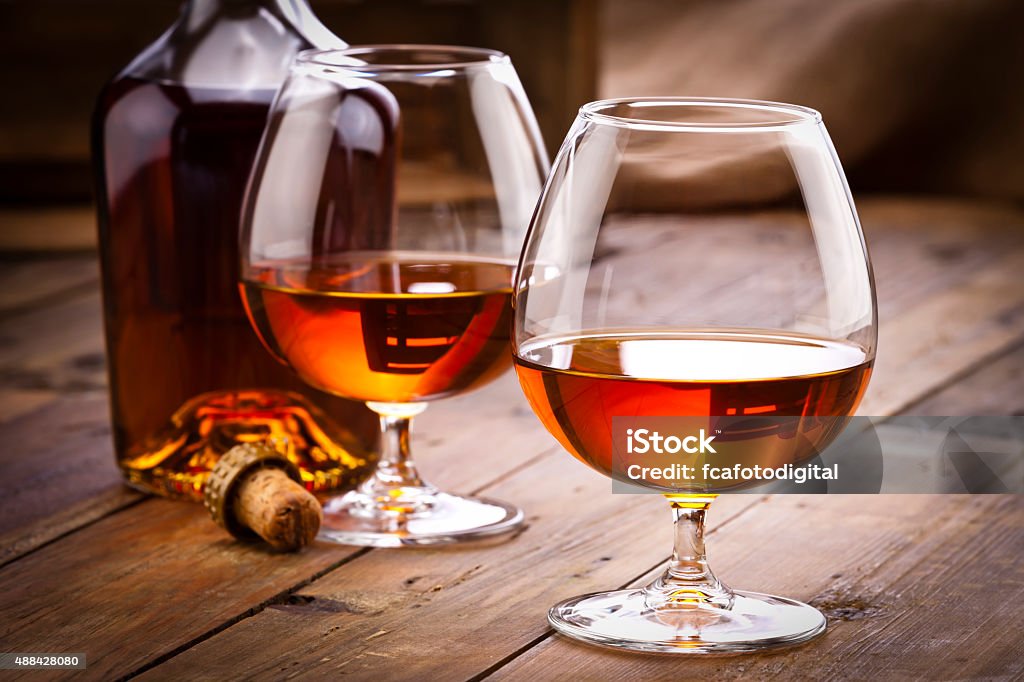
254	491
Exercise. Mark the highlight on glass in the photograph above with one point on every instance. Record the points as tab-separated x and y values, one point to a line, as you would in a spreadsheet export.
387	206
647	288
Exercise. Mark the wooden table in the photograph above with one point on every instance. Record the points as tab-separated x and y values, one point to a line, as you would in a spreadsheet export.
914	586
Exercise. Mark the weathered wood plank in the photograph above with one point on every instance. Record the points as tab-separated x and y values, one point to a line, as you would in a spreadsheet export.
886	582
920	247
380	616
172	541
140	583
399	641
58	347
17	402
63	452
946	334
465	442
941	265
994	388
66	517
60	452
57	351
34	283
58	461
27	290
58	473
1003	376
450	613
61	456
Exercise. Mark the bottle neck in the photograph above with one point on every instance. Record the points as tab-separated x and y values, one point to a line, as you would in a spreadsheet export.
233	44
204	8
295	14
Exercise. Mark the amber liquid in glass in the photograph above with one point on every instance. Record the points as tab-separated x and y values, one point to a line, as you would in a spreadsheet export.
387	328
576	384
173	163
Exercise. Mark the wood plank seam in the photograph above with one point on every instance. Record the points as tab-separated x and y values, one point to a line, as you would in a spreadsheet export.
972	509
549	632
1009	348
363	554
51	299
23	546
490	670
522	466
1016	339
281	597
849	631
973	367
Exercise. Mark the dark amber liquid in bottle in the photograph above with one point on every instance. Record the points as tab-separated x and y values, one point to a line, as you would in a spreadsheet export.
173	163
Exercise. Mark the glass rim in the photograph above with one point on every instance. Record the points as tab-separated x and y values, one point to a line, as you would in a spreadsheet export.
784	115
348	58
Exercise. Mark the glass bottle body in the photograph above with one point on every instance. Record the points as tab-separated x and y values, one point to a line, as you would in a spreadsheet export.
175	135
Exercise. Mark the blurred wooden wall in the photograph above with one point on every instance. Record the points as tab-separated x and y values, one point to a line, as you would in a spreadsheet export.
56	54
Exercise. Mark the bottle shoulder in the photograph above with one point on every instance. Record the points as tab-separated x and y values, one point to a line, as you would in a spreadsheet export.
221	50
131	107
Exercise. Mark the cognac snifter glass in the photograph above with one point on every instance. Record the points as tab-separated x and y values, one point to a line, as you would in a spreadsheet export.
387	206
694	258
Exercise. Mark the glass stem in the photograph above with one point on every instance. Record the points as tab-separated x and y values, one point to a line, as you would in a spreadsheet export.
396	467
396	486
688	581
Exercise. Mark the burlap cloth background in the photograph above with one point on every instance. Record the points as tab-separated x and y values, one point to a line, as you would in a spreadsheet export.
918	95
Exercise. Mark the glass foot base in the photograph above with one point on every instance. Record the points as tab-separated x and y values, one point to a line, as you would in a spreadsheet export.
356	519
623	620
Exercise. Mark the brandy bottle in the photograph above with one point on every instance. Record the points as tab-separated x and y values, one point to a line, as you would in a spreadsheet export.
174	137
